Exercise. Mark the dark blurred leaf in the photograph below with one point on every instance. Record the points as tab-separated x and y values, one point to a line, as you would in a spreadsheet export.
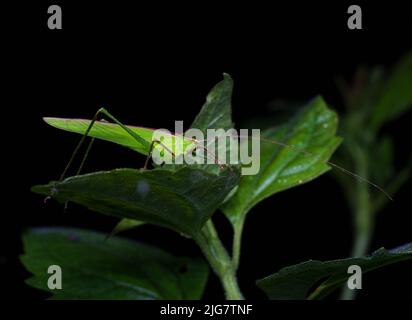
396	95
313	130
93	268
381	167
359	96
295	282
393	185
182	200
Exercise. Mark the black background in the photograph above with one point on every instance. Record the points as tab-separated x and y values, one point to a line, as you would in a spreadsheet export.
153	64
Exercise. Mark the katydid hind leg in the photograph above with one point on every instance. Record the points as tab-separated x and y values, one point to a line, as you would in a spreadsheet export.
79	145
104	112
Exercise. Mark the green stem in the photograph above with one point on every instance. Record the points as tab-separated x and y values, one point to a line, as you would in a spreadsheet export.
363	220
219	260
237	240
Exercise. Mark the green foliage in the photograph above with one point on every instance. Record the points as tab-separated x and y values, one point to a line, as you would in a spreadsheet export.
295	282
182	200
313	130
396	94
95	268
375	98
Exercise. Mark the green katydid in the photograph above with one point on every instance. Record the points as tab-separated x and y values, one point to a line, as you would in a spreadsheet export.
140	139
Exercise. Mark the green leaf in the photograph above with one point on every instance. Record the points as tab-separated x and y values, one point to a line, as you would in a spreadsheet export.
396	95
93	268
216	113
114	133
295	282
281	168
182	200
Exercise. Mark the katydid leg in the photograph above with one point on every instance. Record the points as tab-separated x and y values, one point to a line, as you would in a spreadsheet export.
104	112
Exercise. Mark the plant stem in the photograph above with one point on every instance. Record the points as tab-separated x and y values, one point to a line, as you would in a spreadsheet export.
363	220
237	240
219	260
